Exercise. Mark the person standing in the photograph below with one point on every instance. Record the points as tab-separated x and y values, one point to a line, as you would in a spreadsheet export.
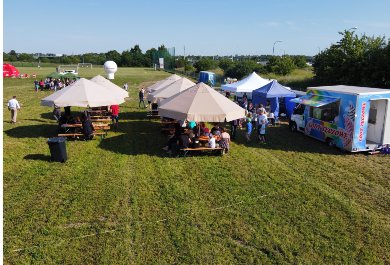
225	140
141	97
36	85
249	127
234	124
57	113
114	115
13	106
262	126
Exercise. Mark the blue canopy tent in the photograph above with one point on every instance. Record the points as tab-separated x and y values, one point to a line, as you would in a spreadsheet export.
272	92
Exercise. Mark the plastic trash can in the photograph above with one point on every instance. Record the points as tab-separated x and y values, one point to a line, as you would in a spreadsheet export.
57	149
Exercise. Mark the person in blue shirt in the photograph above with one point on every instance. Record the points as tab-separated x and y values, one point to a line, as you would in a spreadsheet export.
249	126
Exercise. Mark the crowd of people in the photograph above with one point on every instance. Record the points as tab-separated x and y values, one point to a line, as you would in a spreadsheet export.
52	83
257	119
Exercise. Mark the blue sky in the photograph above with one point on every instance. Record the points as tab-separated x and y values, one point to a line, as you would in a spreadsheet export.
223	27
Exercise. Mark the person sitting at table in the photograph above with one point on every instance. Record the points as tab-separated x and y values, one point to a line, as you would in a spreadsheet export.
216	130
203	129
172	144
87	127
191	134
191	125
77	120
178	129
184	141
212	143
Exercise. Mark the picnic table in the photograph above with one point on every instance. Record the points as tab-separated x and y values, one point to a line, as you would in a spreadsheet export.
153	114
168	127
206	138
105	120
74	130
199	150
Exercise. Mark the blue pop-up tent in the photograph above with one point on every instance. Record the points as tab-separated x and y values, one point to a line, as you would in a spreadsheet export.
272	92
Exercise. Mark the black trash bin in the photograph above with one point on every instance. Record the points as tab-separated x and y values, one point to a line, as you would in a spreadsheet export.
57	149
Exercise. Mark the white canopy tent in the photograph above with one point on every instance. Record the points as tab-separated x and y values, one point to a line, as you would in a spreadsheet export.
201	103
110	85
170	90
83	93
247	85
162	83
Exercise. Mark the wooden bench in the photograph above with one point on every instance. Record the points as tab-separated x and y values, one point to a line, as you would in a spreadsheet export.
94	117
103	127
185	151
168	130
153	114
105	120
74	135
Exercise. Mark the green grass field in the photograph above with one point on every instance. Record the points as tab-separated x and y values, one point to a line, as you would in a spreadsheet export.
123	201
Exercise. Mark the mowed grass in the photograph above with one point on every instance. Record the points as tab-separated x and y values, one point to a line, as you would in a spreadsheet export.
123	201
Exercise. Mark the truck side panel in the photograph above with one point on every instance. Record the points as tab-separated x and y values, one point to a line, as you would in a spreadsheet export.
341	131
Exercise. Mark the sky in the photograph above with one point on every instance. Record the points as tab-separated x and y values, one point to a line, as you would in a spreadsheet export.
213	27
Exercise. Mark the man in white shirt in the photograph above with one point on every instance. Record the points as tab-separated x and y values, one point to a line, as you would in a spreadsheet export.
13	106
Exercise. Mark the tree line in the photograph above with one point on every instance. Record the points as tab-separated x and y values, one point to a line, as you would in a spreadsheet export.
128	58
282	65
354	60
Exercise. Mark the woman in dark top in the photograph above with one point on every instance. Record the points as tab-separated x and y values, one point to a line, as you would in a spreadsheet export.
184	140
87	128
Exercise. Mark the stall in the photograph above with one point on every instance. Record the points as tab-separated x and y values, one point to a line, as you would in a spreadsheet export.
246	85
10	71
207	77
351	118
271	93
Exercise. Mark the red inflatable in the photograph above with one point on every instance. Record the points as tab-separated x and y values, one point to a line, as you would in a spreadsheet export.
10	71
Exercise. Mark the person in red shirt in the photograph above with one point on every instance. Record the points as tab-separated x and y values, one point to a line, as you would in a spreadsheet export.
114	115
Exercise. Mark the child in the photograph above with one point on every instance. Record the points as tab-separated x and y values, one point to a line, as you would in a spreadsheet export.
249	127
262	125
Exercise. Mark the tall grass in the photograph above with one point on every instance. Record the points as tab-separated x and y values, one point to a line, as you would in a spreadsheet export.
122	200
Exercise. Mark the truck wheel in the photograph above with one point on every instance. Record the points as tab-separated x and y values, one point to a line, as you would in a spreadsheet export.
293	127
331	142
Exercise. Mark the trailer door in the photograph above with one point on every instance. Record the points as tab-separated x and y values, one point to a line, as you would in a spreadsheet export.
378	130
386	126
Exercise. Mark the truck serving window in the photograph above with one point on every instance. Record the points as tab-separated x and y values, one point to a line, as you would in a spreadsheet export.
326	113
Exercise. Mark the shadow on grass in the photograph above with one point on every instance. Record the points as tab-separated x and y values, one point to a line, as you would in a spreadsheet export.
37	157
280	138
38	120
47	116
138	115
33	131
137	138
144	137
